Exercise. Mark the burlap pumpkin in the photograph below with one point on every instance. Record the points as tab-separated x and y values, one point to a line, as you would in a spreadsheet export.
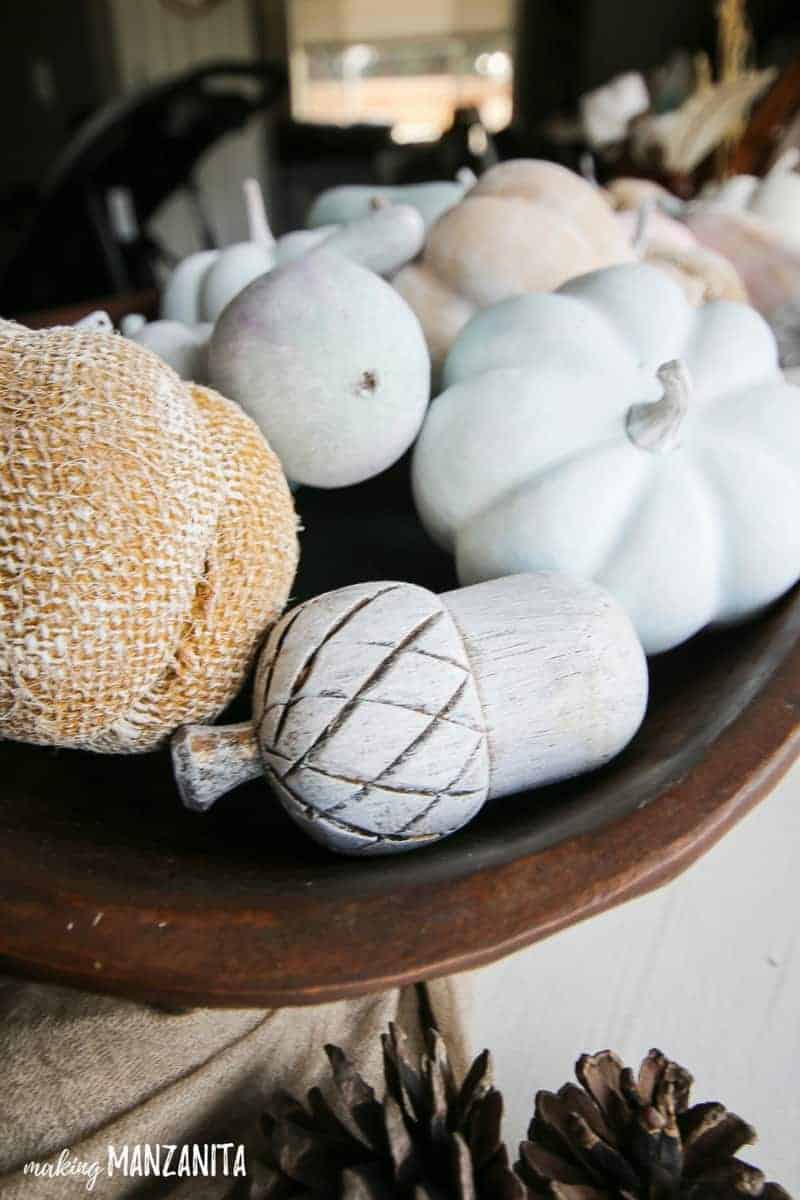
147	540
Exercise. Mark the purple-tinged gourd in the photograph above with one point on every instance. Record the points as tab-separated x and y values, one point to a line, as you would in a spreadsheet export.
329	361
202	286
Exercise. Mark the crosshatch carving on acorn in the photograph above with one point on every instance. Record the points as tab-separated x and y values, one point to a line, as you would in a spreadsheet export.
385	716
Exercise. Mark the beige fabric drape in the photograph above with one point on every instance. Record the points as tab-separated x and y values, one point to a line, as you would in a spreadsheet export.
81	1072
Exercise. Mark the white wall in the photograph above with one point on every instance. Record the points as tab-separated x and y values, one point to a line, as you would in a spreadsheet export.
707	970
151	42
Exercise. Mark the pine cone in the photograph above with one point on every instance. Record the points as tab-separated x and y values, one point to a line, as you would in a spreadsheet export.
427	1140
619	1138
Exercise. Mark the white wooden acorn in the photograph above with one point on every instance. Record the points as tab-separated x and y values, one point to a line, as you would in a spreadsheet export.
384	716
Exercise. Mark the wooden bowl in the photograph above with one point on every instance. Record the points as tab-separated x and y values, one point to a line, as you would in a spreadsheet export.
107	884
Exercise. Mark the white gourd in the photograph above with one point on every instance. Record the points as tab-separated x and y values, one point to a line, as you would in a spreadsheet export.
326	356
203	284
347	202
568	439
182	347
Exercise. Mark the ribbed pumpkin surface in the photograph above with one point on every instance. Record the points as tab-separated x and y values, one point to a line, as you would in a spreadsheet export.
147	539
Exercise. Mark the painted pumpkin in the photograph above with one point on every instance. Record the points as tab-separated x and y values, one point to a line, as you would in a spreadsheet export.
767	263
526	226
614	432
645	212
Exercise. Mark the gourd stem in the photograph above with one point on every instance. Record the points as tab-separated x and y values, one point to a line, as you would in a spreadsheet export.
257	221
643	221
657	426
786	162
588	168
95	322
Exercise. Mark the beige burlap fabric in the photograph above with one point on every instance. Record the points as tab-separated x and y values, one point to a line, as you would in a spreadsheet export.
147	540
84	1072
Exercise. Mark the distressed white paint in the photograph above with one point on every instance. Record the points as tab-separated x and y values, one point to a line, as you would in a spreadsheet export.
386	715
560	673
707	969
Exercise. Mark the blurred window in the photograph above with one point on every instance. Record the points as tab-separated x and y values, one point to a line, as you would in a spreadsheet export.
408	65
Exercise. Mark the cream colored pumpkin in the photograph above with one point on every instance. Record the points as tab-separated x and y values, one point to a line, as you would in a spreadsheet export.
644	211
768	264
526	226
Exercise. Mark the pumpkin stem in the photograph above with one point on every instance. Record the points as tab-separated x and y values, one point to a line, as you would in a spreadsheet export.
657	426
588	168
643	220
257	220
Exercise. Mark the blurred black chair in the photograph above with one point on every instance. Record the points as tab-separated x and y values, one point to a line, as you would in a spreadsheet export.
466	143
87	237
314	157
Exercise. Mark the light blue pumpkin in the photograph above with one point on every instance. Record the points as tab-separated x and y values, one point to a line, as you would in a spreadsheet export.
612	431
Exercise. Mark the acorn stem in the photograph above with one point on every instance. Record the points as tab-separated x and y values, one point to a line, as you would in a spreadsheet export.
657	426
257	220
210	760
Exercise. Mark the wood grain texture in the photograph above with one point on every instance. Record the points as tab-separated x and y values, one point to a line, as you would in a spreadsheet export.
385	715
560	673
238	908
